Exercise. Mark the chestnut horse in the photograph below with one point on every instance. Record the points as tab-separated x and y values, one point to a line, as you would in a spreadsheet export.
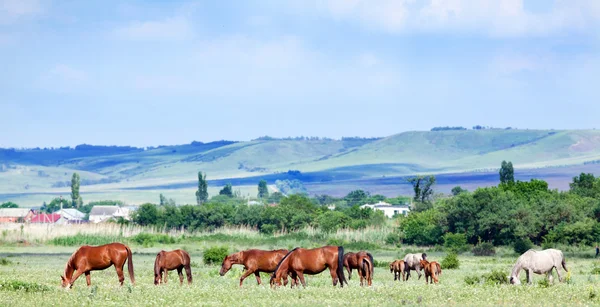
168	261
397	267
351	261
302	261
91	258
254	261
432	271
360	261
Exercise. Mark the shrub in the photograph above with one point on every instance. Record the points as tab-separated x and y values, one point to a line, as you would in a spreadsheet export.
495	277
17	285
472	280
85	239
484	249
522	245
268	229
595	270
543	283
361	245
394	238
148	240
456	242
4	261
215	255
450	261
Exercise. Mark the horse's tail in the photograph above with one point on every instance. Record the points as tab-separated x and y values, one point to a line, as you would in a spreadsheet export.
564	264
130	265
367	268
340	267
372	263
156	264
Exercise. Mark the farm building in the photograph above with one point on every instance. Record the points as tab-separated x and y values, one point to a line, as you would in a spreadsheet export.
15	215
388	209
104	213
48	218
71	216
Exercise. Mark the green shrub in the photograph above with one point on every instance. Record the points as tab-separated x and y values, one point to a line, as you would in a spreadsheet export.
522	245
268	229
595	270
381	264
215	255
85	239
17	285
450	262
336	242
5	261
456	242
148	239
394	238
543	283
361	245
495	277
472	280
484	249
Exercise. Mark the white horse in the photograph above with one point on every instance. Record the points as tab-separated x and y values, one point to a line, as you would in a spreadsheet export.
539	262
413	262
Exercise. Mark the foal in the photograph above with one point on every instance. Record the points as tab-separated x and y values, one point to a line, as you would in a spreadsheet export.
168	261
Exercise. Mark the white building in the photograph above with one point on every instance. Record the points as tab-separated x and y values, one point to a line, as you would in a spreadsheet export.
388	209
103	213
71	216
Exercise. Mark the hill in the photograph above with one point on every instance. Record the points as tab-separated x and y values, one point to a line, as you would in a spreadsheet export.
114	171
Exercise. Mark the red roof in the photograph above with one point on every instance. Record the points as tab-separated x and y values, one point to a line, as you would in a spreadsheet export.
45	218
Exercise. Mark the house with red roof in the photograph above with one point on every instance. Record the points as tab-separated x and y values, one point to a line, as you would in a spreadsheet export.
49	218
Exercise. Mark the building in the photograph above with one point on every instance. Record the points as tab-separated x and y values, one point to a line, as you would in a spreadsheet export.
48	218
388	209
15	215
104	213
71	216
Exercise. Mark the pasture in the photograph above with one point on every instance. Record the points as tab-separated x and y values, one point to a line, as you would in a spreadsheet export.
31	275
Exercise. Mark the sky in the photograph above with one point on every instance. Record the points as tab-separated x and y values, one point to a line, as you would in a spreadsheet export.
148	73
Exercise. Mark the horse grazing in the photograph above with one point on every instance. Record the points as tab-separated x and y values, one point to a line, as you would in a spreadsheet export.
254	261
365	269
539	262
432	271
351	261
302	261
168	261
91	258
413	262
397	267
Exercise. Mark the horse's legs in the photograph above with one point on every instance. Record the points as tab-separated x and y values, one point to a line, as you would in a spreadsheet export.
529	273
88	278
334	277
301	276
257	275
558	273
75	276
120	274
246	274
188	273
180	273
418	269
550	278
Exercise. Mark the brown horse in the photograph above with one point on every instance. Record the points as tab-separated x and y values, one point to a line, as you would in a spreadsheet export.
432	271
254	261
302	261
91	258
168	261
365	270
397	267
351	261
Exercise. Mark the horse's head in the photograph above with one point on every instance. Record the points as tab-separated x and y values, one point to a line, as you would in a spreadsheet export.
514	280
65	283
392	267
157	279
227	263
424	256
424	263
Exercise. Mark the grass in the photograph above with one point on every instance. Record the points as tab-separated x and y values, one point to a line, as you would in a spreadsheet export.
37	279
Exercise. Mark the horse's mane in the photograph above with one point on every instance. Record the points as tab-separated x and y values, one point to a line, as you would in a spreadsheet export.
281	261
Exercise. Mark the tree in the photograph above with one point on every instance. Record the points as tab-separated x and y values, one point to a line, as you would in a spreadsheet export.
507	173
54	205
202	192
585	185
146	214
422	185
227	190
357	197
166	202
263	190
75	197
9	204
457	190
275	197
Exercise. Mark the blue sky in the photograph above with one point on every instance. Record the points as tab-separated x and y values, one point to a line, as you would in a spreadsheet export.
169	72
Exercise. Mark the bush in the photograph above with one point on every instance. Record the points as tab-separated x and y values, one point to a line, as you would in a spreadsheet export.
268	229
472	280
595	270
522	245
484	249
215	255
394	238
495	277
4	261
148	240
450	261
85	239
456	242
17	285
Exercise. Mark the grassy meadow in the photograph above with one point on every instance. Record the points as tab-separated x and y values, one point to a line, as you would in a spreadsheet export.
30	273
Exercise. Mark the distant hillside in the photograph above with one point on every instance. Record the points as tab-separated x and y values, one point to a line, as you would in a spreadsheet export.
112	168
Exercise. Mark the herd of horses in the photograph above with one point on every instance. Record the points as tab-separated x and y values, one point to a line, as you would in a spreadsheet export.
283	264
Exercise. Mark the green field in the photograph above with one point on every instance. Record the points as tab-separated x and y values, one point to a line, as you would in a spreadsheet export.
31	176
37	270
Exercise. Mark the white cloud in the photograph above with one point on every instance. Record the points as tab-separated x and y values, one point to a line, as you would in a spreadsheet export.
490	17
12	10
171	29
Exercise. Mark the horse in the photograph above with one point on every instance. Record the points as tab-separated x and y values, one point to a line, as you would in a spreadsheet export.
351	261
539	262
302	261
254	261
432	271
413	262
397	267
168	261
365	269
91	258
